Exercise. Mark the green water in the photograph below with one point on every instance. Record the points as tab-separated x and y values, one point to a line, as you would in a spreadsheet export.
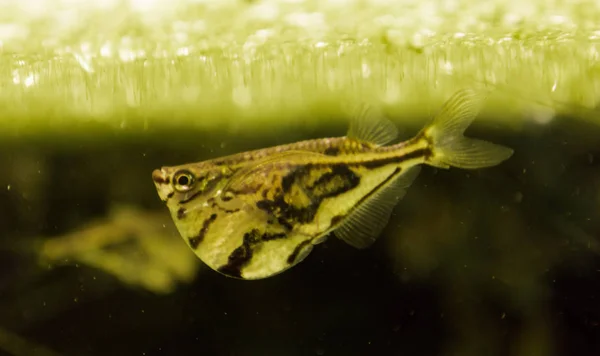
503	260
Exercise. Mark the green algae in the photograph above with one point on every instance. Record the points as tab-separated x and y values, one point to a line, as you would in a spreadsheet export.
234	64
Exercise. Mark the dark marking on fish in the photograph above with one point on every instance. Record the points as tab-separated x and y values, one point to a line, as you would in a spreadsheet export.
332	151
394	174
292	257
170	195
300	170
242	255
267	205
286	224
191	197
288	180
196	240
159	177
338	180
214	204
424	152
226	197
236	261
268	236
328	176
230	211
285	212
181	213
337	219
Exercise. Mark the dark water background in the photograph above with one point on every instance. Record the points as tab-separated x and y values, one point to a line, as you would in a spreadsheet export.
501	261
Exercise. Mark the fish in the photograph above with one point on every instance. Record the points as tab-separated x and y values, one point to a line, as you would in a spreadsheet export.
256	214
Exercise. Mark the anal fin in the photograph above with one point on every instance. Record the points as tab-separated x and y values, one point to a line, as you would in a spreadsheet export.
366	221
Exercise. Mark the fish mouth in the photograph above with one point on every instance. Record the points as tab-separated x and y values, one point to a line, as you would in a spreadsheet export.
161	182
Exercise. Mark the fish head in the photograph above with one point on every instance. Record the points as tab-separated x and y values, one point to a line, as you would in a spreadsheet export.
226	230
212	223
177	185
189	191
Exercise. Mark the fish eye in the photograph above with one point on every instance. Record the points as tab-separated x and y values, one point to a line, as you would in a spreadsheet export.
183	181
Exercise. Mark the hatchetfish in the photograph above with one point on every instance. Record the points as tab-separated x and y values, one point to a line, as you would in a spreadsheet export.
255	214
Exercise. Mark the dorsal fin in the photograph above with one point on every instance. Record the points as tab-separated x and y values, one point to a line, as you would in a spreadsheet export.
368	124
366	222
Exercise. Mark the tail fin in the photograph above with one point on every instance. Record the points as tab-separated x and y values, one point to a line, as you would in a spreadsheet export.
450	147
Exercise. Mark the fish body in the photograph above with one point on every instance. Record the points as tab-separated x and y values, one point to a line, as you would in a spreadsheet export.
256	214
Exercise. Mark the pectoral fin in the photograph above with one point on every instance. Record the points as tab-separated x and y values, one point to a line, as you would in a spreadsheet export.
256	172
367	220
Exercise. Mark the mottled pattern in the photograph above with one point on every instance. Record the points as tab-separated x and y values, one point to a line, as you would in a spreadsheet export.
295	199
291	194
304	189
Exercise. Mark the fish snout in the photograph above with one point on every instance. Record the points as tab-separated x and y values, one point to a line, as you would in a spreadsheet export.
159	176
161	181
